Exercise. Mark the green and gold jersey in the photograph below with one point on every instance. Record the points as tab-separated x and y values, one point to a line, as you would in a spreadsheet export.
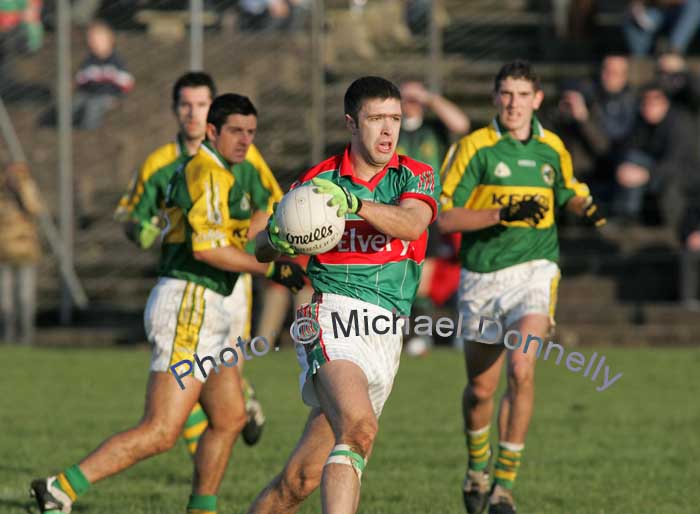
490	169
211	204
145	197
367	264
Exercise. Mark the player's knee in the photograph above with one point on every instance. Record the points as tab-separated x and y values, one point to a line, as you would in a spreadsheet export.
162	436
229	420
360	434
480	392
521	375
298	484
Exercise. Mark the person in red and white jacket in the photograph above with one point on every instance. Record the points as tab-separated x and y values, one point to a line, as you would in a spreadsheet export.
101	78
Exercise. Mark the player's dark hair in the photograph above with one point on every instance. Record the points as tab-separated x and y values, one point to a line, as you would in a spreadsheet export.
227	104
368	87
193	79
517	69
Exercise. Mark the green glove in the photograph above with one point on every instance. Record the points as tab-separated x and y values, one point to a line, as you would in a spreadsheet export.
34	33
344	199
276	241
148	232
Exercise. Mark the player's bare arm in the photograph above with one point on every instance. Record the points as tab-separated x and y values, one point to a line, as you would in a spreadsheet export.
232	259
406	221
461	219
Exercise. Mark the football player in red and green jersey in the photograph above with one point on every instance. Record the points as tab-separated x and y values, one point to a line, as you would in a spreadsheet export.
388	201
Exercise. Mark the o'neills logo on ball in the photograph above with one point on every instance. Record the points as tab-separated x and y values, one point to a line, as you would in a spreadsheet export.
317	235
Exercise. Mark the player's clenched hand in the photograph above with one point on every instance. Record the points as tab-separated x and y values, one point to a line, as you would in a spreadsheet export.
289	274
592	215
344	199
148	232
530	211
276	241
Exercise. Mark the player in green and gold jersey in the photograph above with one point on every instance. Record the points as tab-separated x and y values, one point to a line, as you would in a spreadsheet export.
143	213
186	321
502	185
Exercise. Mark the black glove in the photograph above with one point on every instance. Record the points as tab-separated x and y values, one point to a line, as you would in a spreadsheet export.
530	211
289	274
592	215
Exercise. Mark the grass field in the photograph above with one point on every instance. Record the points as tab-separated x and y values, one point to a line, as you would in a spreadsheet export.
633	448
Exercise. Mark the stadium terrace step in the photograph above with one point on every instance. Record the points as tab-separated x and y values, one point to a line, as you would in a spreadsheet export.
593	334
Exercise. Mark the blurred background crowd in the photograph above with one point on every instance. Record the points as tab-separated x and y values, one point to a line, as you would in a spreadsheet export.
621	89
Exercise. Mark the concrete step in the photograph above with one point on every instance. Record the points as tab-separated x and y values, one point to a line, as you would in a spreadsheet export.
657	334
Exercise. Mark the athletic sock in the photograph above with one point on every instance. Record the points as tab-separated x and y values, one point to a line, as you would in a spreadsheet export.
479	448
201	504
72	482
195	426
509	455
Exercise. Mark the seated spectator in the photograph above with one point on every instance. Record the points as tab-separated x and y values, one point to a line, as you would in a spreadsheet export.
425	136
646	19
660	156
101	79
273	14
20	252
593	119
681	85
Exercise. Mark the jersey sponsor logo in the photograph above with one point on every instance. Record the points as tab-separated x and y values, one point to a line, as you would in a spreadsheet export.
547	174
527	163
502	170
363	244
504	200
317	235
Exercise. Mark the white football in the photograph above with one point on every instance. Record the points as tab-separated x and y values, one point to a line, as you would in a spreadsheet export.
307	222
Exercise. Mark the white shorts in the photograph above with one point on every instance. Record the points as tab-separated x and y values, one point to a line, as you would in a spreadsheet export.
377	355
239	305
183	318
506	295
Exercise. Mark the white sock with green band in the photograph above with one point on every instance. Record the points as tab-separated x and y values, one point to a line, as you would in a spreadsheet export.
342	454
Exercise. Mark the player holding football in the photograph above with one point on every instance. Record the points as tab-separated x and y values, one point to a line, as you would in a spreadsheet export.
142	212
186	314
388	201
501	187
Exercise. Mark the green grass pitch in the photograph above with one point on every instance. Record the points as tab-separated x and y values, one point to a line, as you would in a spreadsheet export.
633	448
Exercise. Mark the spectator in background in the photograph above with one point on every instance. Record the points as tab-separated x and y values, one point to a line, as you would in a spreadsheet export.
660	157
426	138
593	119
682	86
101	79
20	251
273	14
21	31
646	19
690	247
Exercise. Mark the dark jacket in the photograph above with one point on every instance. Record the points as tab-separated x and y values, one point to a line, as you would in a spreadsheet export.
668	150
104	76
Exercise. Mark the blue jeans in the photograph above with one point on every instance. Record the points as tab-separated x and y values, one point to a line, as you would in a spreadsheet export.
682	22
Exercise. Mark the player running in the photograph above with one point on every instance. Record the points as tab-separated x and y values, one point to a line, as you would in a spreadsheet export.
186	314
388	201
501	187
142	212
